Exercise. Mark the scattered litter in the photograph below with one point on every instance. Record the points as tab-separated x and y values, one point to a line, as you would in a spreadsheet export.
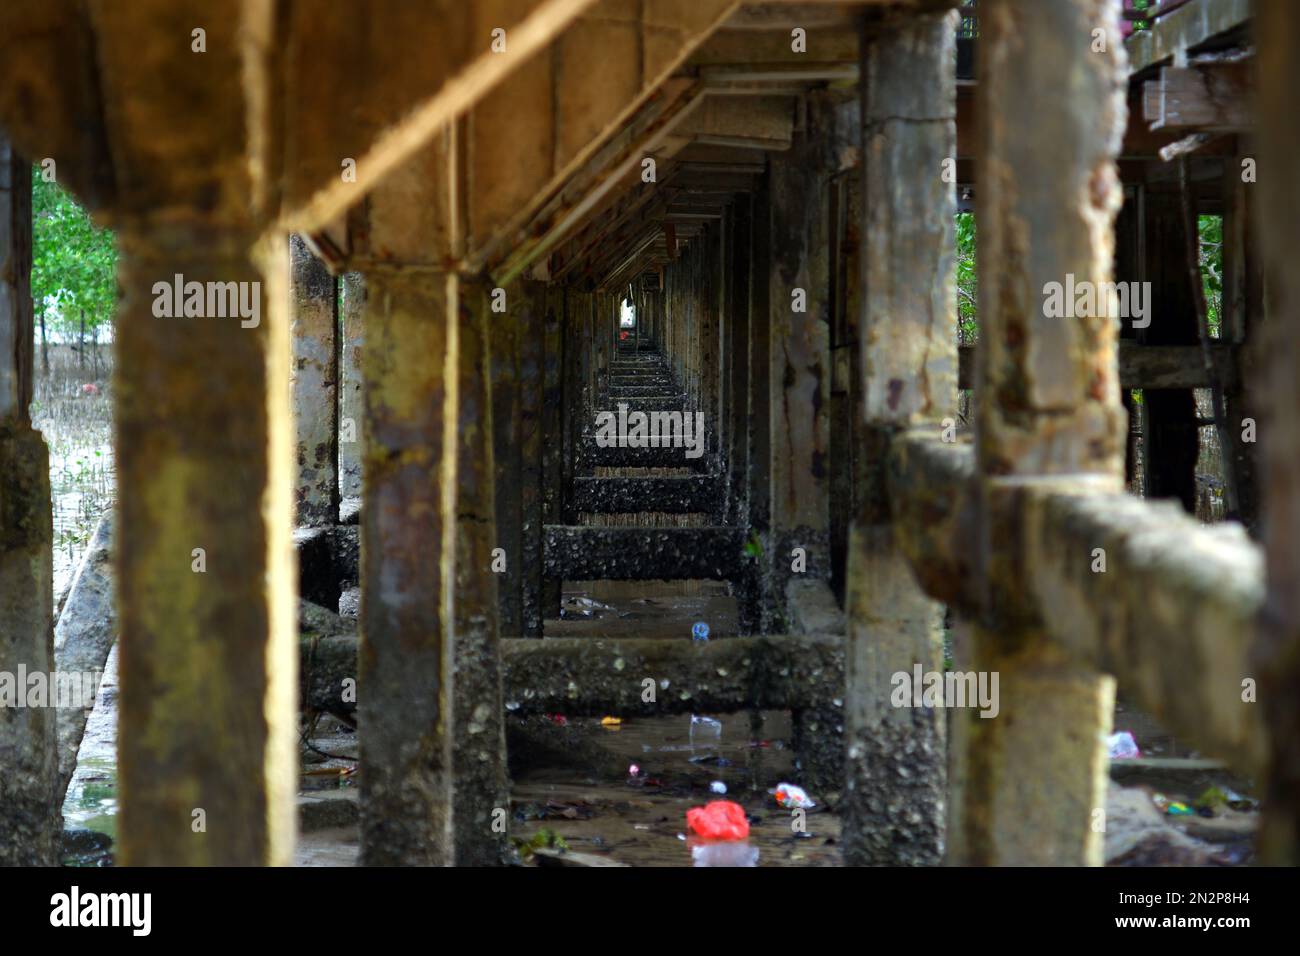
553	809
700	631
1214	798
705	727
712	760
558	719
611	721
725	854
718	786
581	607
1177	809
633	770
718	820
792	797
1122	746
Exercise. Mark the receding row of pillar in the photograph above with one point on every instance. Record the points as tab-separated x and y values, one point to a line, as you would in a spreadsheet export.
470	423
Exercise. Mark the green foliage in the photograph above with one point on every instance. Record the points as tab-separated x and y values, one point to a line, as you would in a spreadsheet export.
543	839
1211	248
967	324
73	262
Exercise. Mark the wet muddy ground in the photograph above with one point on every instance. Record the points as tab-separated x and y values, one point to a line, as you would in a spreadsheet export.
619	790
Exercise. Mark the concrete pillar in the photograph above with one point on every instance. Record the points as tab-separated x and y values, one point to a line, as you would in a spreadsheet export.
531	331
1278	650
351	397
204	566
505	333
552	430
799	356
738	314
896	756
1033	778
756	613
481	799
799	371
313	381
1243	308
408	544
30	823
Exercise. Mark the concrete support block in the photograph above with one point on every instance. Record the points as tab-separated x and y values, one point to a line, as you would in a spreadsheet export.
405	715
313	380
204	569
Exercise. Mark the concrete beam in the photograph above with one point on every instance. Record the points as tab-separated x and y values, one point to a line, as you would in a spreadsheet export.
633	554
595	676
623	495
423	69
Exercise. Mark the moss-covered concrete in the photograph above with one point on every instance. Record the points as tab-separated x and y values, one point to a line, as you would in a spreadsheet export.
205	582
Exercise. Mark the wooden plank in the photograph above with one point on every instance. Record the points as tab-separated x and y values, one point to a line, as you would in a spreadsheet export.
1206	97
1185	29
1148	366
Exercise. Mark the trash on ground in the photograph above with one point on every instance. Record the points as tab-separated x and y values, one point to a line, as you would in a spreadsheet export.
700	631
581	607
724	854
1216	798
712	760
1122	746
718	786
705	727
611	721
792	797
718	820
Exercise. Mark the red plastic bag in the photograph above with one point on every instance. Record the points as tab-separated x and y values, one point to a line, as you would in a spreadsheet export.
719	820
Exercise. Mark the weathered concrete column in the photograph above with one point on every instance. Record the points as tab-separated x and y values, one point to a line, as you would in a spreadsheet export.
351	398
30	823
1052	114
896	756
313	381
204	563
799	373
408	544
482	805
552	430
737	319
756	614
505	340
1278	650
531	323
798	356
